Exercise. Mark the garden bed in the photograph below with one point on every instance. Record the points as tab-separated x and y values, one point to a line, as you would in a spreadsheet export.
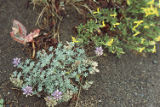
132	80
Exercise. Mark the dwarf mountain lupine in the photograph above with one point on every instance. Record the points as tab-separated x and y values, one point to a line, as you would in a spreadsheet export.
16	61
99	51
27	90
57	94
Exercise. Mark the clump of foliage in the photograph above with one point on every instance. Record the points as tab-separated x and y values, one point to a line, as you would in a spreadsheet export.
133	26
1	102
56	73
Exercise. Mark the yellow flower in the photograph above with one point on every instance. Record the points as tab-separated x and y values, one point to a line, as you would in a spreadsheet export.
159	3
103	24
151	2
113	15
142	40
116	24
150	11
137	33
141	49
157	38
154	49
152	42
74	40
98	10
113	52
137	24
110	42
152	24
128	2
134	28
146	27
154	10
146	11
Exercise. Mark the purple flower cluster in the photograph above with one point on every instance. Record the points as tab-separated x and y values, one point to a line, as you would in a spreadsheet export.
99	51
57	94
16	61
27	90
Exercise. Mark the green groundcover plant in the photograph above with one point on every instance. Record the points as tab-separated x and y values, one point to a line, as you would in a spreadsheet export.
1	102
133	26
56	73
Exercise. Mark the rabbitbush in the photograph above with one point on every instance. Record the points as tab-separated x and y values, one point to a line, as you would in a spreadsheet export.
56	73
131	26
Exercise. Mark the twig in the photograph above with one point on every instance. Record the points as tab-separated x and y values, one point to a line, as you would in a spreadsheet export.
34	51
58	30
79	93
78	97
15	88
77	9
40	15
87	8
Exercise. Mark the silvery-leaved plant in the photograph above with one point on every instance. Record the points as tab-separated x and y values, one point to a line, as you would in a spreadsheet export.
56	73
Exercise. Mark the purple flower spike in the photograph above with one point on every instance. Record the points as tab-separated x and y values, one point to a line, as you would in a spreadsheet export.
99	51
57	94
27	90
16	61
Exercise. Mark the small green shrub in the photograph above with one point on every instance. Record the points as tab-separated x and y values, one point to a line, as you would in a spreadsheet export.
134	26
56	73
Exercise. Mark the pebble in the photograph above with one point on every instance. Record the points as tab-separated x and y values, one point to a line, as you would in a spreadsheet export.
8	93
155	61
68	16
99	101
141	63
143	71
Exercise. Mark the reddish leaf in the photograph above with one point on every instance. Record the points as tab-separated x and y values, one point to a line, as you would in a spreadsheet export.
19	33
30	36
20	27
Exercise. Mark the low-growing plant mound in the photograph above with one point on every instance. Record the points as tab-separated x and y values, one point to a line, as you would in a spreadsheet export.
132	26
56	74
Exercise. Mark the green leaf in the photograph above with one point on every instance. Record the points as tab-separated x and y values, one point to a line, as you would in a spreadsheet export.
128	2
1	102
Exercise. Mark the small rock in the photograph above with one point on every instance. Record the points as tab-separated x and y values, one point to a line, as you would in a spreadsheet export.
99	101
68	16
135	94
155	61
8	93
143	71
